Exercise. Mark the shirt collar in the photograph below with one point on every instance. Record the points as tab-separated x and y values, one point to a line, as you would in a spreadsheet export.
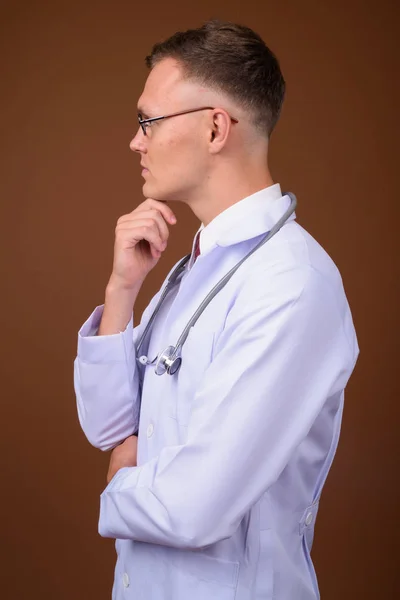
244	220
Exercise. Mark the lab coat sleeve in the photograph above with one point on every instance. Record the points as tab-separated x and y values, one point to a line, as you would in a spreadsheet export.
106	384
107	380
284	351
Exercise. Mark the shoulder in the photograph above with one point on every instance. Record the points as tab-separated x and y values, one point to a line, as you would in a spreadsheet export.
289	263
292	276
292	272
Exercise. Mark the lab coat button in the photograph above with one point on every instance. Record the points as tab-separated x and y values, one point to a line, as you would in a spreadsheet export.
125	580
309	518
150	430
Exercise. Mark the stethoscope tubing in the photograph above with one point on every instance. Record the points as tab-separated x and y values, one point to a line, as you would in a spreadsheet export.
215	290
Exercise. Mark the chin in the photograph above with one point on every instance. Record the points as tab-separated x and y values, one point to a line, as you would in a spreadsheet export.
162	195
152	192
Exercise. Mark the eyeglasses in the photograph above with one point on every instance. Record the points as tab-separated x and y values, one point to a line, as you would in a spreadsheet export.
145	123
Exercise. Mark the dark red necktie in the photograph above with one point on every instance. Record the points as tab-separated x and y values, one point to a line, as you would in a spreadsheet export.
196	247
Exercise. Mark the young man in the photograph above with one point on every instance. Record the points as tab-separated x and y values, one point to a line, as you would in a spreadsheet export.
217	496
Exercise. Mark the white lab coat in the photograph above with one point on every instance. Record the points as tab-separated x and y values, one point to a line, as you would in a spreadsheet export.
234	449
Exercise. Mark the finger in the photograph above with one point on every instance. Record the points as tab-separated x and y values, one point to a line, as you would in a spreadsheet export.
163	208
130	237
154	252
143	229
161	222
153	214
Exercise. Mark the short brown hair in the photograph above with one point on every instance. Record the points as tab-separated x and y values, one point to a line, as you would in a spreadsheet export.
232	59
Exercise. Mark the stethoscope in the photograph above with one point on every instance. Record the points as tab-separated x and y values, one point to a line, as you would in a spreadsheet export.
170	360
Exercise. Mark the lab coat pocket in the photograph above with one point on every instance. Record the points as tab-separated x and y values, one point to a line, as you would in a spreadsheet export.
197	576
197	354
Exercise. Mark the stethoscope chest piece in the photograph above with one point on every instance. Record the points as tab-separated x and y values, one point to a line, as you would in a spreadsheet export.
167	362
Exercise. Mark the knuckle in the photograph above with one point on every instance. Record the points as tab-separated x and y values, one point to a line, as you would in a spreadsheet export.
155	214
145	229
121	219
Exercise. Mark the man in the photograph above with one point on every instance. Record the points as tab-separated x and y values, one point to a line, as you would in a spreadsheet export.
217	496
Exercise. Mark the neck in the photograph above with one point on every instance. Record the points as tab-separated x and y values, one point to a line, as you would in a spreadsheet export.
225	188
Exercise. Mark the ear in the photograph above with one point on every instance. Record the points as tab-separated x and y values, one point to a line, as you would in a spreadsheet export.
219	128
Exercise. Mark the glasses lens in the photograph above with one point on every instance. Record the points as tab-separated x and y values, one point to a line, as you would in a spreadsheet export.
142	125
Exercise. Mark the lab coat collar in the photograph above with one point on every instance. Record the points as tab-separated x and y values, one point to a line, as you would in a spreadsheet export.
246	219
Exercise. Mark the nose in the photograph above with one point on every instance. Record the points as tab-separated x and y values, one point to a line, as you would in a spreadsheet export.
138	143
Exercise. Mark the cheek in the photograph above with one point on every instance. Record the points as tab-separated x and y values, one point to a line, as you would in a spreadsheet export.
179	160
184	155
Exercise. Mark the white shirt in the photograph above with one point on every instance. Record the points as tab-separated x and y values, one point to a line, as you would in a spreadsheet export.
234	449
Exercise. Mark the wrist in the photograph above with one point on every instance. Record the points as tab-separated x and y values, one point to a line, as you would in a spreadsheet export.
118	307
116	286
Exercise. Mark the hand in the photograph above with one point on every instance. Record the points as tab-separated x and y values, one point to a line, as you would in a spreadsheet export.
124	455
140	238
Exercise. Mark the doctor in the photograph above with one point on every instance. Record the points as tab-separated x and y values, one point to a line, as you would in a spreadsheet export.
216	497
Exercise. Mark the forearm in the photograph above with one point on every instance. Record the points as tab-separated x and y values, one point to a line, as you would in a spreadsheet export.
118	307
106	372
106	382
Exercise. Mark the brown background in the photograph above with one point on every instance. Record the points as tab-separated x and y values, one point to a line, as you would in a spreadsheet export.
70	77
